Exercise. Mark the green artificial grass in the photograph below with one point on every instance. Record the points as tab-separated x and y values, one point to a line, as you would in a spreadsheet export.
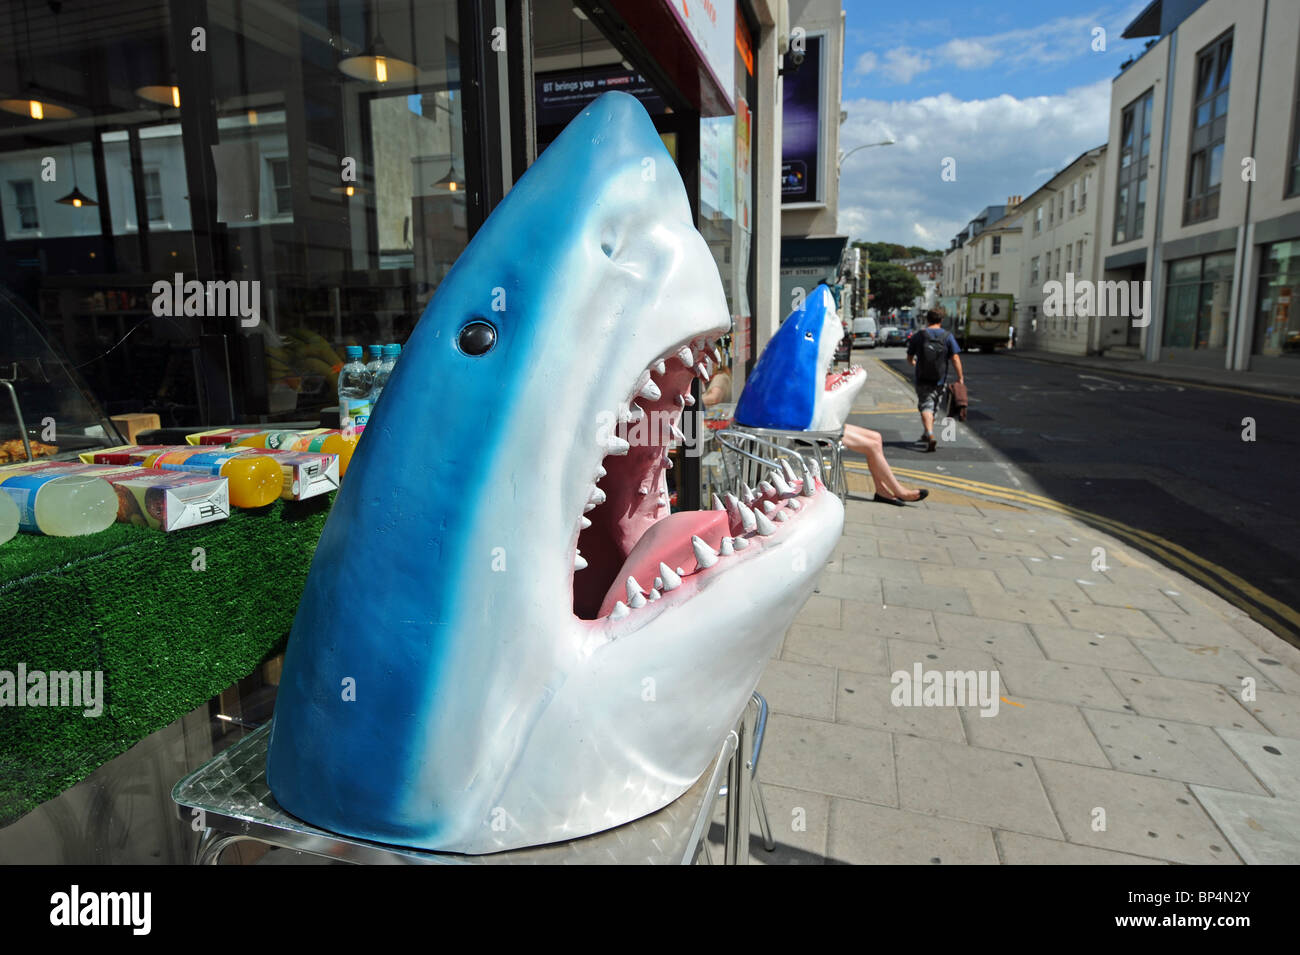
167	637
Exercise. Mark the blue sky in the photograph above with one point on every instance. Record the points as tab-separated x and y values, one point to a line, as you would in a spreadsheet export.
1011	90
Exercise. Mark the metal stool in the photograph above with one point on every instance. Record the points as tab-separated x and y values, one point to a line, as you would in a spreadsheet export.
747	453
760	805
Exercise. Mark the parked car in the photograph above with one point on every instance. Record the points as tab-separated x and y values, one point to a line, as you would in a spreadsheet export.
864	332
897	335
886	331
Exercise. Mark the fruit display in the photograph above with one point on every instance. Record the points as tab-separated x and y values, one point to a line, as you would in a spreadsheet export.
305	361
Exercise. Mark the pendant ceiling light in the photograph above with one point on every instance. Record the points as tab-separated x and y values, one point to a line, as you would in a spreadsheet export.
162	95
376	63
76	197
350	190
37	103
450	182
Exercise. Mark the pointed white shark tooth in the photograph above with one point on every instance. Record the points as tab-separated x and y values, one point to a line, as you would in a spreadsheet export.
633	589
659	367
789	471
620	611
616	445
717	354
659	583
705	556
595	498
600	472
681	401
717	503
584	522
634	413
780	517
668	461
807	489
701	371
686	356
794	504
688	399
637	601
680	572
747	519
746	493
650	390
766	489
769	507
765	527
579	562
654	595
783	489
643	490
671	581
725	549
677	433
733	506
740	543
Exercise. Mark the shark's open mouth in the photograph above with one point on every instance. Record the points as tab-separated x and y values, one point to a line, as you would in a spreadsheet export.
840	379
631	549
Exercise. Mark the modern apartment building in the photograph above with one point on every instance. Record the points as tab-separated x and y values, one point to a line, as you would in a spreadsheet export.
1060	244
1203	184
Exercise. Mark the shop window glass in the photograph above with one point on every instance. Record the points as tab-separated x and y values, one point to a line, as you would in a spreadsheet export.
1277	318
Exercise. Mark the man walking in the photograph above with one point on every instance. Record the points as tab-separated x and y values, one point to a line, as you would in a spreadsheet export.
930	351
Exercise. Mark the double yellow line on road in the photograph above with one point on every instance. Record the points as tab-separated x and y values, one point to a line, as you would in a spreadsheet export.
1272	613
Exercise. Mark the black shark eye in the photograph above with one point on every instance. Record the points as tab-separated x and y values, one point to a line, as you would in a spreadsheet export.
807	336
477	338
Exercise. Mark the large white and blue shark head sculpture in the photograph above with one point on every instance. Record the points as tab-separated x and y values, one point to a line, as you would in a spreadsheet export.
790	388
506	638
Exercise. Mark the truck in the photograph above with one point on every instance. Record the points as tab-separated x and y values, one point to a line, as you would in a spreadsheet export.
984	320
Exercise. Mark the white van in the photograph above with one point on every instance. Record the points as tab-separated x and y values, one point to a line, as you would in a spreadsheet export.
864	332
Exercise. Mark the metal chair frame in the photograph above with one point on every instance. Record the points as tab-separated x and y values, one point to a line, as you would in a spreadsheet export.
743	460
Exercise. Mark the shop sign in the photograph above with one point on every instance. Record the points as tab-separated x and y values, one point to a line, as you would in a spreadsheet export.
563	94
801	127
711	24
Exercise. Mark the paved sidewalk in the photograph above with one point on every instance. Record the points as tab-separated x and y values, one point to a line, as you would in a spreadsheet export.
1128	735
1287	386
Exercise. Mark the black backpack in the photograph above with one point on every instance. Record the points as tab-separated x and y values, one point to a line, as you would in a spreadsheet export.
932	357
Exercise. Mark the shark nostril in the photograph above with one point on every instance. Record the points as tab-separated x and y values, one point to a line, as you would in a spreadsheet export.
477	338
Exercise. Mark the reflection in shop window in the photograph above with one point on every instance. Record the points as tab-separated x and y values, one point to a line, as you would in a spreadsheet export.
1277	323
153	195
25	203
283	192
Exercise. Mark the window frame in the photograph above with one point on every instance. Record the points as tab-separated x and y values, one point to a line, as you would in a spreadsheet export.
1134	162
34	206
1205	139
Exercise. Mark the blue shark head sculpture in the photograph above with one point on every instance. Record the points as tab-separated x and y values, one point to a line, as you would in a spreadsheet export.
790	388
505	638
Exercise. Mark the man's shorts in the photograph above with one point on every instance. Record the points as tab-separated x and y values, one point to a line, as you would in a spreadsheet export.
929	396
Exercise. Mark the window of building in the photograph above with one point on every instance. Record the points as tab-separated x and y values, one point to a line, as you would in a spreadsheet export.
1277	321
1083	193
1074	196
1198	302
283	191
1293	177
1069	256
997	245
993	282
153	195
1033	270
1058	263
1135	148
25	203
1038	220
1209	127
1078	267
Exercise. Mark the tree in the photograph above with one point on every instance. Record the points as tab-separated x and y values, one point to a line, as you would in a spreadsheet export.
892	286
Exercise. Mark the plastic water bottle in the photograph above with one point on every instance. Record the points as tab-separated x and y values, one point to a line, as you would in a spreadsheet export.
61	505
354	390
8	518
385	370
376	359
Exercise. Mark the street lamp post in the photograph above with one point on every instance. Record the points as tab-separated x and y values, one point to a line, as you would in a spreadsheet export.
839	163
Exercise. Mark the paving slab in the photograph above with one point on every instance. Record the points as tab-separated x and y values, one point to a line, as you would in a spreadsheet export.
881	568
1170	750
1142	814
864	834
904	654
820	611
1017	580
1035	728
1086	646
799	689
881	620
920	553
835	759
1110	620
1016	848
1016	608
1000	790
1263	830
1078	684
926	597
864	699
1003	638
1185	700
1279	712
829	648
1208	664
849	587
1273	759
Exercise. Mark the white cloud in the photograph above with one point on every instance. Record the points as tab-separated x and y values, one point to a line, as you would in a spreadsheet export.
1002	145
898	65
968	54
867	62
